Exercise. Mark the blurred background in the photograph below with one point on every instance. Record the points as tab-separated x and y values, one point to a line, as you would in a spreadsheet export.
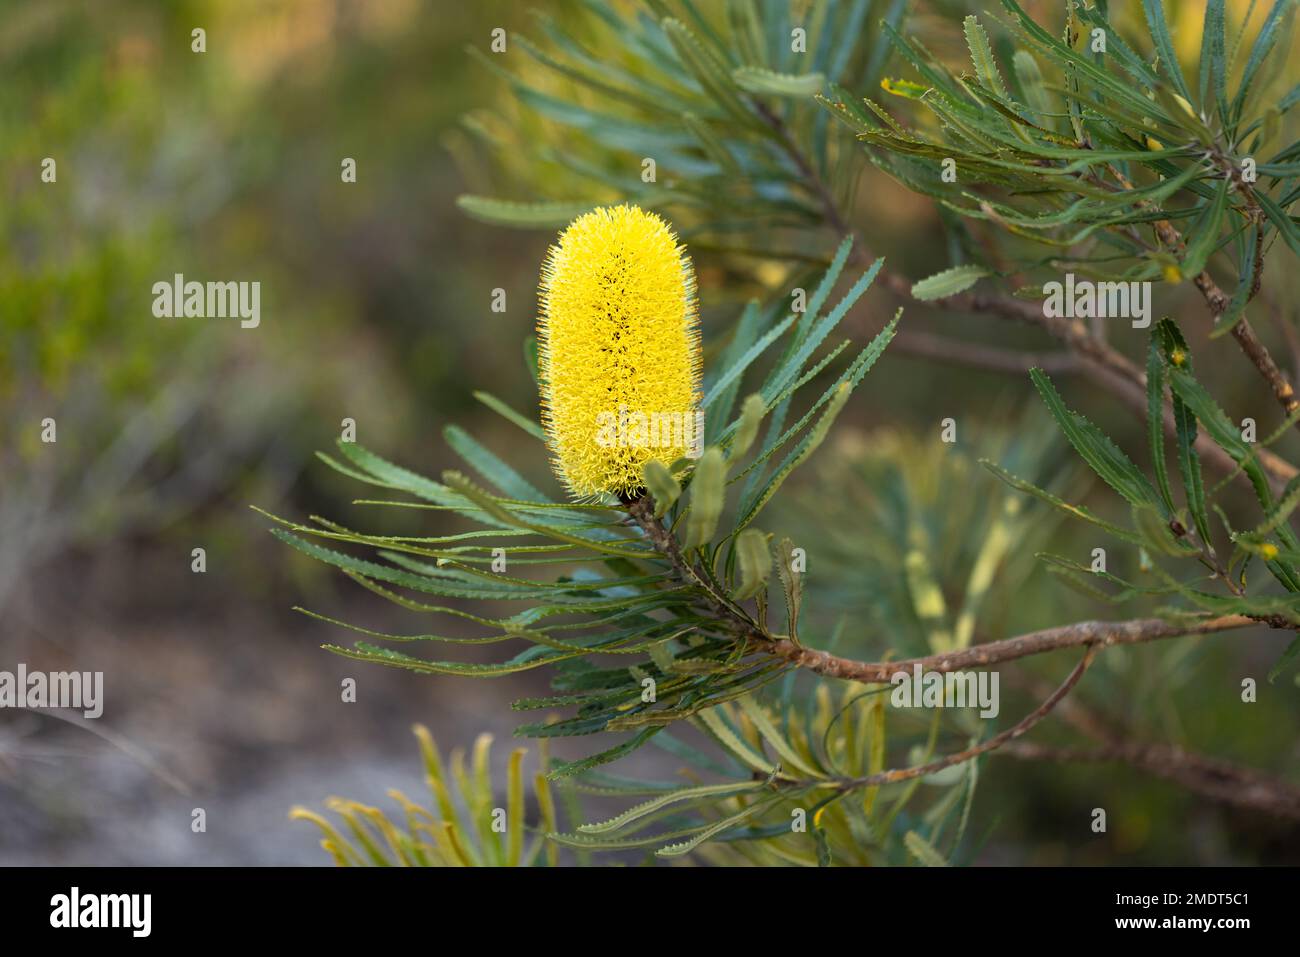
376	307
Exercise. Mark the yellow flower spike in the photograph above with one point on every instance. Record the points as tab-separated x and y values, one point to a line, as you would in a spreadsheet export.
618	350
1268	550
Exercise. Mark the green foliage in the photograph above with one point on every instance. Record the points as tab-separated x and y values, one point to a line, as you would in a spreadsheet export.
716	105
919	569
789	793
457	829
649	630
612	612
1080	156
1165	531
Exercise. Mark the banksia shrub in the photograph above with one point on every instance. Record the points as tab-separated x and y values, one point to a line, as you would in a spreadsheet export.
618	350
825	661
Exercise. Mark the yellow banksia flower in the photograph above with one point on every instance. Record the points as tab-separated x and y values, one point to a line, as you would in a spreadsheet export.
618	350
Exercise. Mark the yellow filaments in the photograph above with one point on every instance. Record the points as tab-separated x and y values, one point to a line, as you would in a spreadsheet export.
618	350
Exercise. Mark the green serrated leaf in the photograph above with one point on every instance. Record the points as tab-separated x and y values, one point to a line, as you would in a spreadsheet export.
633	814
791	585
1102	455
986	68
677	850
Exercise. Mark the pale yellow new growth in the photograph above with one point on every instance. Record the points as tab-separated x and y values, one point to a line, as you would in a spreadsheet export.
618	335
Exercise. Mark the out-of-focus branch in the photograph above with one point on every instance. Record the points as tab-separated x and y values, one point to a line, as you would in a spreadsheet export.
1209	777
928	346
1228	783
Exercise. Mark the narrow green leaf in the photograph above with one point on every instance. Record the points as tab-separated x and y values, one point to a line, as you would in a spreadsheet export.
706	498
1164	46
791	585
780	744
1269	34
758	80
1077	511
755	562
727	737
923	850
1177	354
1104	457
661	484
1290	654
677	850
1156	421
986	68
503	410
751	417
633	814
1206	238
604	757
740	365
1031	82
503	212
705	68
530	357
712	145
948	283
1212	78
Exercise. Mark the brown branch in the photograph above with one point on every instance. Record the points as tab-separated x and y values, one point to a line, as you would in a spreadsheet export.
1080	634
1087	634
1211	777
1203	775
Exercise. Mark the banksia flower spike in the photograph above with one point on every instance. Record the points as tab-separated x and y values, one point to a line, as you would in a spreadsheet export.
618	351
